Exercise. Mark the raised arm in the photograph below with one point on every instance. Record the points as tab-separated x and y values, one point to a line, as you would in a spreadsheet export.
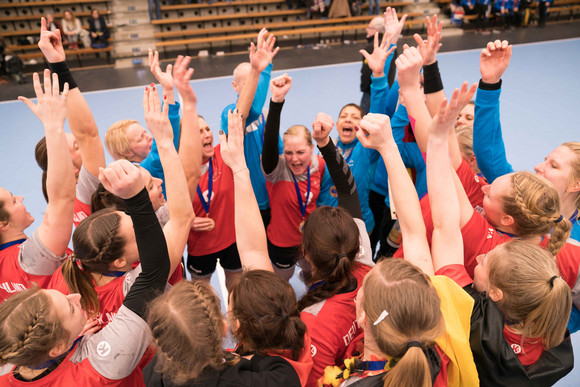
433	87
375	132
190	147
179	203
270	152
56	227
338	168
80	117
488	144
250	232
165	78
260	57
447	243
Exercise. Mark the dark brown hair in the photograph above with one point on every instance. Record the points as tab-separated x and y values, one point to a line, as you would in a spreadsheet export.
41	156
102	199
265	307
354	105
97	244
331	242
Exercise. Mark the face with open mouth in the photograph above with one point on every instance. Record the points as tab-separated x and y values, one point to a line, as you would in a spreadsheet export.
348	118
297	153
207	150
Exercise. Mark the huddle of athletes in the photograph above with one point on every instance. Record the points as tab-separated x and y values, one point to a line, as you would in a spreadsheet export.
483	289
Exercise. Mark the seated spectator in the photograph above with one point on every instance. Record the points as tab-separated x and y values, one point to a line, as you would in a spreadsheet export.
74	31
98	30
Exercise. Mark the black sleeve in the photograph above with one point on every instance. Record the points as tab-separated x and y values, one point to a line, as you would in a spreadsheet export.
270	151
153	254
343	180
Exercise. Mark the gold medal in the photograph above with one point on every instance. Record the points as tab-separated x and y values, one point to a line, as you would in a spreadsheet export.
212	223
301	226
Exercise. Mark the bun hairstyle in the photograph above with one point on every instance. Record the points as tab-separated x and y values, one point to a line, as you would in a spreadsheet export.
186	323
331	242
403	316
534	294
535	207
264	305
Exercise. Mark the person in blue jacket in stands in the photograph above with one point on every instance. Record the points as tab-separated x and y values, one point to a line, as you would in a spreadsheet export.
561	167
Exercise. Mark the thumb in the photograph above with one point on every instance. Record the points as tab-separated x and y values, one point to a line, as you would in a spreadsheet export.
365	54
361	136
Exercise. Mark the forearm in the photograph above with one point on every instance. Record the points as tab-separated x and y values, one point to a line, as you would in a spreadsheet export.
190	148
247	95
433	88
343	179
60	182
417	109
270	151
250	232
260	95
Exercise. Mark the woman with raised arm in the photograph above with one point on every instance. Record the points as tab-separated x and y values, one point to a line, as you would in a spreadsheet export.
212	234
40	328
293	180
518	321
24	260
189	328
101	269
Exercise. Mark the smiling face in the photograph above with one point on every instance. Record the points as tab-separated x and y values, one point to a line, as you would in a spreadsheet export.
297	153
493	199
558	169
206	135
348	118
18	218
153	185
140	141
68	310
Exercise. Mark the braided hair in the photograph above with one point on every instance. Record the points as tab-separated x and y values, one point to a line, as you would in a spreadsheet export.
97	244
29	329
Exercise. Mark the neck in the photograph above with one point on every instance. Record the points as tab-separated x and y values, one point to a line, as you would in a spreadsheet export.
29	373
568	204
371	350
204	159
12	235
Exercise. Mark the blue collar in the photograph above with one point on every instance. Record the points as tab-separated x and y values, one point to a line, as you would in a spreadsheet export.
50	362
8	244
114	273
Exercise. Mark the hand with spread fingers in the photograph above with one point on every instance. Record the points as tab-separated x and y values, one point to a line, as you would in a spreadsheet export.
51	107
164	78
232	145
377	59
263	52
156	118
393	26
181	77
494	61
429	48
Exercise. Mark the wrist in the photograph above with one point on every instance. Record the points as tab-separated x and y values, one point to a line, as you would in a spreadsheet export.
277	99
321	143
378	75
489	84
432	78
64	75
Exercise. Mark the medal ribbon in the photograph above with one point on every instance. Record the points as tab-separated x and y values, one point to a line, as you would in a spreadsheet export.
209	189
301	203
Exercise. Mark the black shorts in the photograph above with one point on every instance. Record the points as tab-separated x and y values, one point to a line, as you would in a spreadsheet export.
283	257
204	265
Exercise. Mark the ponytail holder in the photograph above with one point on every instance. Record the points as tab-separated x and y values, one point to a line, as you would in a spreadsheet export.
559	219
343	255
72	258
413	344
552	279
285	316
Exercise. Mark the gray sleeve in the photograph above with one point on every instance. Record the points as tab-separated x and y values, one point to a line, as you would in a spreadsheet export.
115	351
86	186
163	215
131	277
365	255
278	173
6	368
36	259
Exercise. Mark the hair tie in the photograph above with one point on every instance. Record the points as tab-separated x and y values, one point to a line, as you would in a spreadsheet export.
413	344
72	258
285	316
560	218
343	255
381	317
552	280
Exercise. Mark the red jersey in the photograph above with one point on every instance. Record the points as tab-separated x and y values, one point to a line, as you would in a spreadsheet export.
283	230
81	211
332	326
221	209
19	259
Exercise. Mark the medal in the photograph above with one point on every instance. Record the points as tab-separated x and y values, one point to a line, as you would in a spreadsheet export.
209	193
302	204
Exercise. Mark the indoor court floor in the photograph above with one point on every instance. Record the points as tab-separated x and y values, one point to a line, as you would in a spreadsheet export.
538	112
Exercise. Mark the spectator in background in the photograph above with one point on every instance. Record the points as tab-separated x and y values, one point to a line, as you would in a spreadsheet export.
54	25
74	31
543	9
374	7
98	30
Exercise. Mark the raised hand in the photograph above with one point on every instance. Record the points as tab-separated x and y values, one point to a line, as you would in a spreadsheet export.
280	87
51	108
447	114
409	65
381	52
374	131
181	77
156	118
494	60
393	26
232	148
429	48
321	127
164	78
262	54
121	178
50	44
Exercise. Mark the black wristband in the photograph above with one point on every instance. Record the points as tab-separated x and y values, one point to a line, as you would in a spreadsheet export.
64	75
489	86
432	78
